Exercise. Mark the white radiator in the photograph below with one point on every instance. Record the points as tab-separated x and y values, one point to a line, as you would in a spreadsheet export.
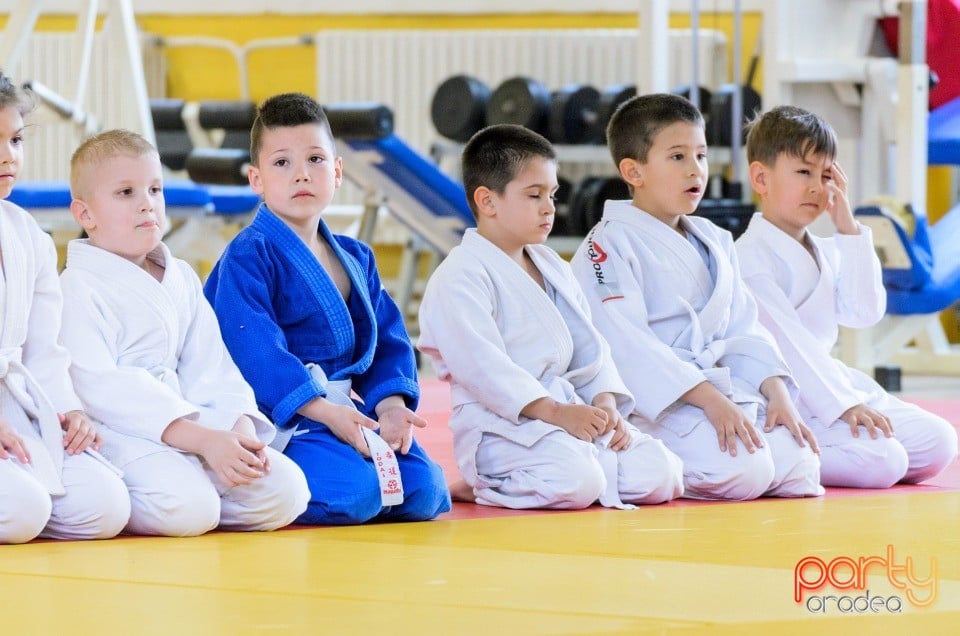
47	59
403	68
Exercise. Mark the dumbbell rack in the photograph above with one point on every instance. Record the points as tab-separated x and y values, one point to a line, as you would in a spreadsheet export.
446	154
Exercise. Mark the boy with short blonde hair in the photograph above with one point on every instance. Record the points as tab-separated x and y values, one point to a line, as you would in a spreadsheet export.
149	363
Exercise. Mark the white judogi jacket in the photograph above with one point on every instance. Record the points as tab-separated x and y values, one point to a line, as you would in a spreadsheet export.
802	302
146	352
501	342
669	325
33	366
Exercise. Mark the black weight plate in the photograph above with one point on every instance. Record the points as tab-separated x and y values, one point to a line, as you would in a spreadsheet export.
521	101
459	106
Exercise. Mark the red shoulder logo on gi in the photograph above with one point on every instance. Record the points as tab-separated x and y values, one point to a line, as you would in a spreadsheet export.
607	285
813	574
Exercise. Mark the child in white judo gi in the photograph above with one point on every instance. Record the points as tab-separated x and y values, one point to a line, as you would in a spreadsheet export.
50	484
806	286
538	406
149	362
665	290
313	330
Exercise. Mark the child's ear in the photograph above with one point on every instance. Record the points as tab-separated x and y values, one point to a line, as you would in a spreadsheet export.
758	177
253	176
81	214
631	171
338	170
483	200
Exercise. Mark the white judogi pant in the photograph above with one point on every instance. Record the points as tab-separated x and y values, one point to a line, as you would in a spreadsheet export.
562	472
177	494
923	445
95	506
781	468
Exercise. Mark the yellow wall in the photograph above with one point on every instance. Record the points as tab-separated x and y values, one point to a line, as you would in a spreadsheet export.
196	74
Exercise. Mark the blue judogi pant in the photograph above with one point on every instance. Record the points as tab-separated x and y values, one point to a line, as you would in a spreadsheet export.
345	489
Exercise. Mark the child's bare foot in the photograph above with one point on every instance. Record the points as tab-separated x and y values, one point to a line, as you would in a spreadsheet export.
462	491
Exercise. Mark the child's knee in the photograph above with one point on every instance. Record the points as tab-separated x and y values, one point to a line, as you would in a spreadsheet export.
879	463
941	452
289	495
425	491
186	512
660	476
578	482
97	509
24	512
343	508
740	478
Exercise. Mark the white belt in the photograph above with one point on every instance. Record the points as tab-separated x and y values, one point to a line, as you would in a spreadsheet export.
384	459
31	398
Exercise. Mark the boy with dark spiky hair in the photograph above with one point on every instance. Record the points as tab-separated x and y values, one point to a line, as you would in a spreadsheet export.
538	419
305	316
665	290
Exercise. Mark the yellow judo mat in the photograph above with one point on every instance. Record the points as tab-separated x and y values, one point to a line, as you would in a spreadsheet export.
726	568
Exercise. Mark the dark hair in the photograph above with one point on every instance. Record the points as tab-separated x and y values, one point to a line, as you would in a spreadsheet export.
790	130
283	111
13	95
637	121
497	154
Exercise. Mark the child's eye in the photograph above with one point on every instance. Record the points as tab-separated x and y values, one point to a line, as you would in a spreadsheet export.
701	156
125	192
280	163
316	159
677	157
17	140
156	190
803	171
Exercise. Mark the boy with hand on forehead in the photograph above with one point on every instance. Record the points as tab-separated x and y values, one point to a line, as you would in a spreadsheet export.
149	363
538	406
807	286
315	333
665	290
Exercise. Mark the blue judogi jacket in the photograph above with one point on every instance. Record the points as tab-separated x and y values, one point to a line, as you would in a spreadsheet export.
279	310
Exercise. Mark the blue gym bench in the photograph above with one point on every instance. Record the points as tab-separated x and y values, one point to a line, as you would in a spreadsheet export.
192	205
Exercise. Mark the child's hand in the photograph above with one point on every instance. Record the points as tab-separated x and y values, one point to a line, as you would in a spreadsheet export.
731	422
621	436
782	410
838	206
233	457
12	444
396	427
582	421
869	418
79	432
345	423
245	426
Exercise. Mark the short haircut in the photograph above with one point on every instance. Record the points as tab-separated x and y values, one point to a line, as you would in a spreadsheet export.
637	121
13	95
497	154
103	146
285	111
789	130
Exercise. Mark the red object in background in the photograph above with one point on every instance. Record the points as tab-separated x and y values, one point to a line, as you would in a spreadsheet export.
943	47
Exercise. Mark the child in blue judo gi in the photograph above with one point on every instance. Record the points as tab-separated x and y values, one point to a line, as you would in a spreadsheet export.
309	324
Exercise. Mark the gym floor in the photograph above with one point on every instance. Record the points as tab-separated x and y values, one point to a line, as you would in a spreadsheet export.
686	568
